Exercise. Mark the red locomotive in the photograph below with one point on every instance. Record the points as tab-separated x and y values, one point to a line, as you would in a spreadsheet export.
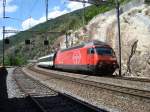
95	57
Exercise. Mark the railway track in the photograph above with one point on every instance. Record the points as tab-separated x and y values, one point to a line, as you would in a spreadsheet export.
117	88
117	94
44	99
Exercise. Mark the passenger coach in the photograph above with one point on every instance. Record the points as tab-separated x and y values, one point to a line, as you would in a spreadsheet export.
46	61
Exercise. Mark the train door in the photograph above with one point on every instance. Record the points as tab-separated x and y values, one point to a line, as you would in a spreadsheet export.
90	59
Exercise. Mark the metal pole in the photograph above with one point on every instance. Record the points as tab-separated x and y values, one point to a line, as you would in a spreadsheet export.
46	3
83	17
4	4
119	35
3	45
66	40
46	38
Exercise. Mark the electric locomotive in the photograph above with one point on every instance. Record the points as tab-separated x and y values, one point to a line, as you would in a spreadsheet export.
94	56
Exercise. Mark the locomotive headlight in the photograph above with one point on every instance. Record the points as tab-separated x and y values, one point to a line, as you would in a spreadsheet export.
114	63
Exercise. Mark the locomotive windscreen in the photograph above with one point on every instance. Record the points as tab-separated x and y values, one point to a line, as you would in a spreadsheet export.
104	51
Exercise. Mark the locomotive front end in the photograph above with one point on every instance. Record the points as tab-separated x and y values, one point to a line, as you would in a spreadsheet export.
106	60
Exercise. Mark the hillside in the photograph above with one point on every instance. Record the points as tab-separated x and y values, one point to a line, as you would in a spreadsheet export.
17	52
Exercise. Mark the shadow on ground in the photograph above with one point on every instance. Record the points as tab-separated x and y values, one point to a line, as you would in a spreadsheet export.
54	103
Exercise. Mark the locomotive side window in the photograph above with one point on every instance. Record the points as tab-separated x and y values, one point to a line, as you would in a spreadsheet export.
104	51
91	51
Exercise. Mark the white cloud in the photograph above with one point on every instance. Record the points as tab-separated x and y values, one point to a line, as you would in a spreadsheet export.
9	7
56	8
75	5
30	22
7	34
56	13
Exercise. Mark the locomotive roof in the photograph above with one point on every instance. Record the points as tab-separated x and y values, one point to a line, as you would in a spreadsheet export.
95	42
91	43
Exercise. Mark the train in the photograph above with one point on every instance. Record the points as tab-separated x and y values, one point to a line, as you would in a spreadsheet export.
94	57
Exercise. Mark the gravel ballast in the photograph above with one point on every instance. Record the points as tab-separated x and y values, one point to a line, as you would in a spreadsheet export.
12	88
102	98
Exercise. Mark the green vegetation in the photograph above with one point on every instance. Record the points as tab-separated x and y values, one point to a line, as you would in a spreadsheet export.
17	60
57	27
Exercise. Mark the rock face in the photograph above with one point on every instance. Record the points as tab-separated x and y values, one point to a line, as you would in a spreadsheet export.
136	27
135	36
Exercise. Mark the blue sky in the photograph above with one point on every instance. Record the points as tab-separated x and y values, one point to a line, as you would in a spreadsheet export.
26	13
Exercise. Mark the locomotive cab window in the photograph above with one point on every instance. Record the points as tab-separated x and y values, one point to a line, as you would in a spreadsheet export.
104	51
91	51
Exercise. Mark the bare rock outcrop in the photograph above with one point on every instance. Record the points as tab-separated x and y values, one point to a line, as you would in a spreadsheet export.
135	27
